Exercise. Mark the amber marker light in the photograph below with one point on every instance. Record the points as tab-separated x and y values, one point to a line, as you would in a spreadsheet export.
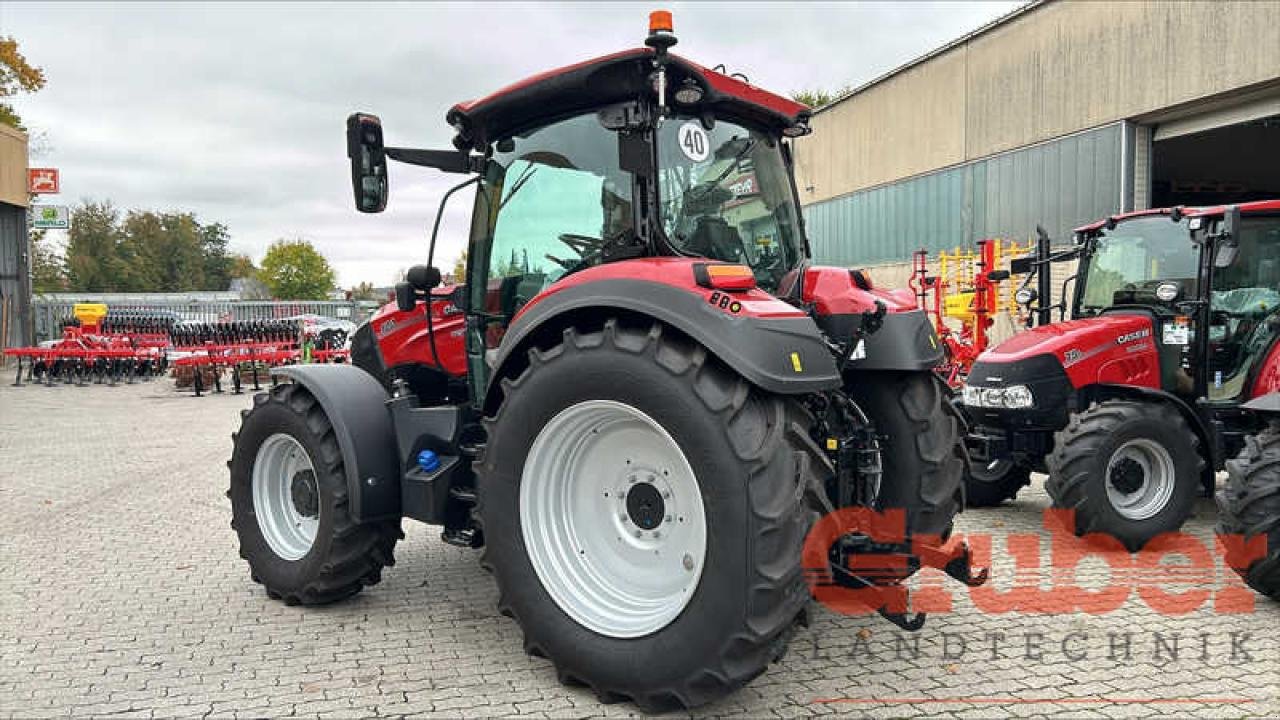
724	277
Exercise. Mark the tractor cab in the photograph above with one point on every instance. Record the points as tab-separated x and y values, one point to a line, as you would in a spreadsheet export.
1209	279
637	154
624	182
1132	403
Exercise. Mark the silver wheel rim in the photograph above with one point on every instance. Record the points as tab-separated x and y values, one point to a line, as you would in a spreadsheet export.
587	514
1142	497
282	463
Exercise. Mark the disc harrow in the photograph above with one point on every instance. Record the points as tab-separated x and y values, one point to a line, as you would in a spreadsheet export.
109	347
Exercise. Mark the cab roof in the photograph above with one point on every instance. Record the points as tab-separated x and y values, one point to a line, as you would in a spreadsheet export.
544	98
1256	206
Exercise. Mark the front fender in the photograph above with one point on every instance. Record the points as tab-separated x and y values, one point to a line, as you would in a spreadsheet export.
355	403
904	341
784	355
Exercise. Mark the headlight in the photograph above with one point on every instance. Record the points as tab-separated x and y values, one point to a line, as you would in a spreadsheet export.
1014	397
1018	396
1025	296
993	397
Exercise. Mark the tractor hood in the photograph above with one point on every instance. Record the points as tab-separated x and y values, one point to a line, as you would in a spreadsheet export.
1116	347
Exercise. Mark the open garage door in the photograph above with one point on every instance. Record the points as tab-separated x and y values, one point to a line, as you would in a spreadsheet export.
1210	160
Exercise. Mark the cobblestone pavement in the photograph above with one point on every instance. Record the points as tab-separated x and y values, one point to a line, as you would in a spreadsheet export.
122	594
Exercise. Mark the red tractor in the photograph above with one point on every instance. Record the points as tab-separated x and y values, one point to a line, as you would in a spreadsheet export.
639	401
1133	404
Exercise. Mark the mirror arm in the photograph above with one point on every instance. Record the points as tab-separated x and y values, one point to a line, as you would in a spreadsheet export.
450	161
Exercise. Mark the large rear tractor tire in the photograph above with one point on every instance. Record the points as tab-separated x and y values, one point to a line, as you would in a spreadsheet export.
1129	469
289	504
1249	505
643	516
920	447
989	484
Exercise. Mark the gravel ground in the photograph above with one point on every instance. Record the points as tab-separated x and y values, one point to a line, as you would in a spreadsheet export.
123	595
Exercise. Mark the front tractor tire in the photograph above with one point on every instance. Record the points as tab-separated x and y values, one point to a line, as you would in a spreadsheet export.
643	516
989	484
1129	469
1249	506
289	504
920	449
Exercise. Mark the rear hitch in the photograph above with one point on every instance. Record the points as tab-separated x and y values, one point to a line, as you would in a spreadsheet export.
876	571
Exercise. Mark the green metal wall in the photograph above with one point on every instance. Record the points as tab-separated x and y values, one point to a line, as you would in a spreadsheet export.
1060	184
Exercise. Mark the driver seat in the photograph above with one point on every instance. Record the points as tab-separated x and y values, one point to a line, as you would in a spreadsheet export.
716	239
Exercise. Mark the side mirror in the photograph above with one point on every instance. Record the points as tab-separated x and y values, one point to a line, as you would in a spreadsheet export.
406	298
368	162
1228	238
423	277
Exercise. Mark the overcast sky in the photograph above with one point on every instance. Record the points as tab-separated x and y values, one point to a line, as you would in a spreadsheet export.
236	111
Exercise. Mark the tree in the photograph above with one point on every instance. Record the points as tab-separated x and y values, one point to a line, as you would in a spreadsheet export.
460	268
817	97
16	75
363	291
163	252
214	239
295	270
241	266
48	269
147	251
93	253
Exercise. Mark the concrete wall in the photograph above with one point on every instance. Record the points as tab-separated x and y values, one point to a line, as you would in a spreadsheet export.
13	166
1055	69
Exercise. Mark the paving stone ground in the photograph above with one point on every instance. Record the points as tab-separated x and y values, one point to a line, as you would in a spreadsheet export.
121	594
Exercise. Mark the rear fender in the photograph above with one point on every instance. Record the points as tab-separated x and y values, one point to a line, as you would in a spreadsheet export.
784	354
355	403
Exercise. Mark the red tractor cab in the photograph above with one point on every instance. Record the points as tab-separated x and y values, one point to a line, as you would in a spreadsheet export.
1135	402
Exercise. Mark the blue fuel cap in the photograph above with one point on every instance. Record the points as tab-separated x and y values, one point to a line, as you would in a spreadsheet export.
428	461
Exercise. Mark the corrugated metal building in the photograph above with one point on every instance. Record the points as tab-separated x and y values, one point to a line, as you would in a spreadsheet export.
1058	113
15	275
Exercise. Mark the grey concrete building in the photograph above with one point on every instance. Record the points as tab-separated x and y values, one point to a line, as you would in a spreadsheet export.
1058	113
15	273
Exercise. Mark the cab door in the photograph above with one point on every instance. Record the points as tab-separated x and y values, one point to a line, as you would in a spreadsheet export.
1244	308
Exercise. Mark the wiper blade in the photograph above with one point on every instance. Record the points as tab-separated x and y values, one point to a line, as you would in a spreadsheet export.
519	183
737	159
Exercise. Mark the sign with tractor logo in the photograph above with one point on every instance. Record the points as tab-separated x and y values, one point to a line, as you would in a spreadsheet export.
50	217
43	181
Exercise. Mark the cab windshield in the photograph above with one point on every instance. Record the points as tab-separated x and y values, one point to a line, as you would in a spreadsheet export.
726	195
1129	261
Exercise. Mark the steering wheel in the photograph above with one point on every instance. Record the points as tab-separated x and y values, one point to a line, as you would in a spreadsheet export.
586	246
566	264
581	244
